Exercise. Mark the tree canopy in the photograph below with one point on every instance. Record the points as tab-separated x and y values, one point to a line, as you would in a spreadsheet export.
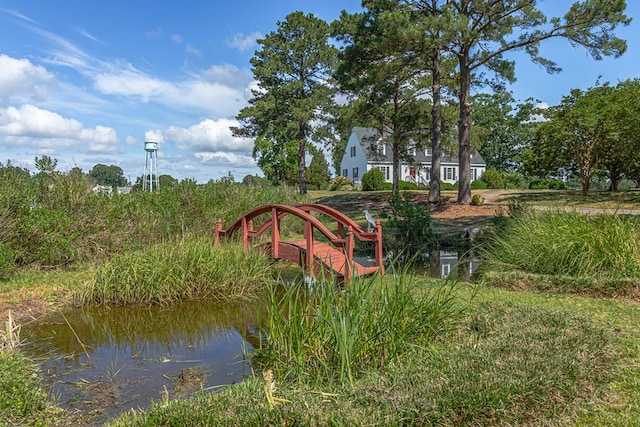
292	70
111	175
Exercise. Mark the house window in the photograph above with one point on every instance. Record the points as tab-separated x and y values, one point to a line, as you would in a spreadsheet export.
382	149
427	151
445	270
385	172
355	173
474	174
345	172
448	174
353	151
412	151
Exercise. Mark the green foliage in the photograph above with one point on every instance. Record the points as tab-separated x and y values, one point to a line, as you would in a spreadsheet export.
373	180
478	185
111	176
447	186
291	67
537	184
477	200
341	183
318	171
21	395
567	244
65	223
493	178
409	226
402	186
193	269
514	180
348	331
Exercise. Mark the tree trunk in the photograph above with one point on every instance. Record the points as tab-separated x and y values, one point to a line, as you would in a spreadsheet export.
436	132
464	132
585	181
396	167
302	153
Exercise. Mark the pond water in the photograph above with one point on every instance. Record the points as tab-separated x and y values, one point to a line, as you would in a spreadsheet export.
106	360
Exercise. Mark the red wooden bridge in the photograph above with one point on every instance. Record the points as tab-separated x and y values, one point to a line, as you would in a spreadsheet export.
326	253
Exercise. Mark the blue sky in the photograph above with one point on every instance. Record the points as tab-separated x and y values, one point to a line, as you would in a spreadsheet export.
88	82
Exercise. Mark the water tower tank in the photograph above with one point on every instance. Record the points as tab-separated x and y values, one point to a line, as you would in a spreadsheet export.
150	146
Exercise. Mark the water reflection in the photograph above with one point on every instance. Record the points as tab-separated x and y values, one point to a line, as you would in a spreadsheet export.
130	355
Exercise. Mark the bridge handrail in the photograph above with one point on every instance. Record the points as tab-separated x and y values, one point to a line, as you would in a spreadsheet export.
281	210
342	219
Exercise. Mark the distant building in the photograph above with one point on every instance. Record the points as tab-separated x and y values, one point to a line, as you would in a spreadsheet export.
367	149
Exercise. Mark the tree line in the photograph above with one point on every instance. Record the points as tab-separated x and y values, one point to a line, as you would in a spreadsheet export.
406	67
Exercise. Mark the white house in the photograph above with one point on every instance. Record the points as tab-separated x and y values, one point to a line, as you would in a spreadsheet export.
367	149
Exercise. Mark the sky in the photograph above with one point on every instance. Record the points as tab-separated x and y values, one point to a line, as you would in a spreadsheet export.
88	82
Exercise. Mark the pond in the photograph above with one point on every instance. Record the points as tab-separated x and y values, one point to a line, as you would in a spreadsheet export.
106	360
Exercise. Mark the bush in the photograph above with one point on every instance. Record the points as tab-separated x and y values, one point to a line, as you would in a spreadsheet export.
402	186
341	183
373	180
478	185
444	186
514	180
538	185
410	225
557	184
476	200
493	178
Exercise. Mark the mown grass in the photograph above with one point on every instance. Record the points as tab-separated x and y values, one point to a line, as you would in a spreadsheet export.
166	273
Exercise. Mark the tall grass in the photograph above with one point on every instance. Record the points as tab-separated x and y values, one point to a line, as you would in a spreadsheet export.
168	272
330	334
52	221
566	243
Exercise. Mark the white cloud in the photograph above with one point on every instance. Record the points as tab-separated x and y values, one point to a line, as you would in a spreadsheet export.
176	38
192	50
222	158
19	77
244	42
31	125
153	136
208	136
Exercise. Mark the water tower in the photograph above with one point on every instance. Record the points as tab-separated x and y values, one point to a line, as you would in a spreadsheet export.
151	177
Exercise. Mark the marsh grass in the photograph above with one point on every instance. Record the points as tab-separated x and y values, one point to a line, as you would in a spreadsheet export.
165	273
334	334
566	244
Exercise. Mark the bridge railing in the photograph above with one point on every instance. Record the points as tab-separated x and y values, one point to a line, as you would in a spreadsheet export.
343	238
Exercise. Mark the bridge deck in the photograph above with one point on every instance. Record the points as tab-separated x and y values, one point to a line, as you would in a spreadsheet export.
331	257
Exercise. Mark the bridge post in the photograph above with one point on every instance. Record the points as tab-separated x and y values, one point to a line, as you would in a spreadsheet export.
308	236
378	248
348	270
245	233
275	234
216	236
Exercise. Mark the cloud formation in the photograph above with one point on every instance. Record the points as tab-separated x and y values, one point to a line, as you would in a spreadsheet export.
244	42
19	77
208	136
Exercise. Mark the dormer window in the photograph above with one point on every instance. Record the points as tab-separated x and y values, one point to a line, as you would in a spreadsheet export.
427	151
382	149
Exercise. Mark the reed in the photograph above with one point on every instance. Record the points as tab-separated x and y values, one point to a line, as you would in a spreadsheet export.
329	333
567	244
193	269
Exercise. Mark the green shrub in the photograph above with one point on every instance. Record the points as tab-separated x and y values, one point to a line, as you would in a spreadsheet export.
341	183
476	200
409	225
402	186
478	185
493	178
447	186
514	180
557	184
373	180
538	185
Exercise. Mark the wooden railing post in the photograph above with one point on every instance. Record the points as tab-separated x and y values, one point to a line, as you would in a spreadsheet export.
378	250
245	233
308	235
275	234
349	243
216	236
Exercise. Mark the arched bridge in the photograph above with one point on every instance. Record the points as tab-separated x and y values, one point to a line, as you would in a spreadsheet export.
322	250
